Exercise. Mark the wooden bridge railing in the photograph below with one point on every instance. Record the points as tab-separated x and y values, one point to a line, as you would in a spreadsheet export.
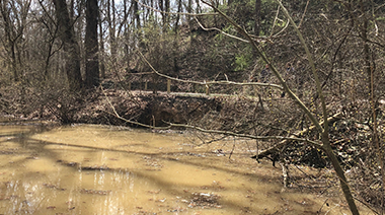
245	88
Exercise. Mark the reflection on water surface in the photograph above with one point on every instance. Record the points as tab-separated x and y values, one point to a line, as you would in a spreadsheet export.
106	170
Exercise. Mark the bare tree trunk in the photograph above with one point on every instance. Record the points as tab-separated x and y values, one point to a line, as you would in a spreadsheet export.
257	19
152	5
161	7
101	49
79	26
257	22
370	70
14	19
164	5
72	10
91	44
126	33
167	7
71	47
175	44
136	15
111	27
51	42
189	10
198	8
138	37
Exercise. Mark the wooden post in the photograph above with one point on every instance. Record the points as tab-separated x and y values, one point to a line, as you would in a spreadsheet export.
352	90
129	85
244	87
168	86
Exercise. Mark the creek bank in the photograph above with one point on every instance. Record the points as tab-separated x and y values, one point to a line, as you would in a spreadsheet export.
238	114
350	136
146	108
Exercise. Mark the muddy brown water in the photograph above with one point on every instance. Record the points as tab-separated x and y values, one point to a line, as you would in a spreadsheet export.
89	169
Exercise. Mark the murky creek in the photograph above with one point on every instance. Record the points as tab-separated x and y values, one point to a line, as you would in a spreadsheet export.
89	169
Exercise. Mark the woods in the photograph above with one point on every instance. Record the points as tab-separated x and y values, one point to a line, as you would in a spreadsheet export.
324	59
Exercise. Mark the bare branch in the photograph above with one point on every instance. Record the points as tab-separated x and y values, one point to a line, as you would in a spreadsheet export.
310	59
303	15
275	21
47	14
282	30
257	39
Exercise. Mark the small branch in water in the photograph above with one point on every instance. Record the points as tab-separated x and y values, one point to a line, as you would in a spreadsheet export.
231	153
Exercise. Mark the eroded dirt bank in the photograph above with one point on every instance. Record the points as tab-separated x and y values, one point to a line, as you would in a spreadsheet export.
147	108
